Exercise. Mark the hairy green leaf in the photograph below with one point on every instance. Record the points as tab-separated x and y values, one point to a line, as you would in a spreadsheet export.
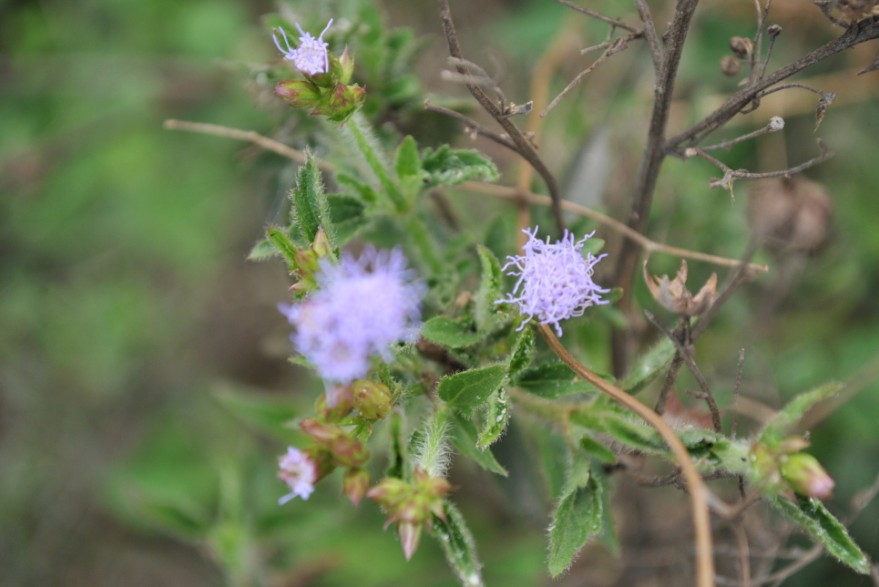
457	543
577	518
649	366
552	380
784	422
453	334
823	527
464	438
310	210
447	166
471	388
485	310
497	416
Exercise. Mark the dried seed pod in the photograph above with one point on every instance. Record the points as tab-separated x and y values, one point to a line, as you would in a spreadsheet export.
673	295
741	46
790	214
730	66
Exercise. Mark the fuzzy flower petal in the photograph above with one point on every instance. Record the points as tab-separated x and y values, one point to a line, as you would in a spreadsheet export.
362	307
555	280
311	56
299	472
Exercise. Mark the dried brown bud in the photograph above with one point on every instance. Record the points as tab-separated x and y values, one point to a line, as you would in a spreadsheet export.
741	46
774	30
790	214
730	66
672	294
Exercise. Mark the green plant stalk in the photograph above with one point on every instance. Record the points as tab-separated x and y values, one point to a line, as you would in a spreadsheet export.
362	134
424	244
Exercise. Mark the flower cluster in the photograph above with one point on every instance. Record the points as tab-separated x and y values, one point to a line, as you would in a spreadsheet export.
361	308
555	280
311	56
299	472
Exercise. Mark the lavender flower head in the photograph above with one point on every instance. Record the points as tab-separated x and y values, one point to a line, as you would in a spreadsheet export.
555	280
299	472
361	308
311	55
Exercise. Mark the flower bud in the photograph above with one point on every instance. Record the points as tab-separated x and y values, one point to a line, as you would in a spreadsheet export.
355	484
730	66
806	476
410	534
372	399
741	46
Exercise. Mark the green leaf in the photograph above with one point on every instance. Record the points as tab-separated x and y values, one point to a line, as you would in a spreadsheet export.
280	240
485	310
464	439
447	166
577	517
497	416
649	366
348	216
453	334
470	388
552	380
366	192
457	543
406	162
597	450
310	209
262	251
633	434
783	423
523	350
823	527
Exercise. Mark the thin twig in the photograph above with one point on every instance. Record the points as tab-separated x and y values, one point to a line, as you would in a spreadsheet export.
671	376
739	276
243	135
684	352
729	174
695	484
774	125
616	46
859	32
598	16
648	245
524	147
650	34
473	128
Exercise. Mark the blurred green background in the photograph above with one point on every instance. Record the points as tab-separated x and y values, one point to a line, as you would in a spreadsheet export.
132	329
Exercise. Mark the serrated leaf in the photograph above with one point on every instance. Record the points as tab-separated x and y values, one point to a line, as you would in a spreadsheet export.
823	527
471	388
552	380
783	423
453	334
523	350
577	518
485	310
497	416
447	166
649	366
348	216
310	209
457	543
464	438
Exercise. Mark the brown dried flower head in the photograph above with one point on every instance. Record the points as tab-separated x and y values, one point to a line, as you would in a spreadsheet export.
730	66
673	295
790	214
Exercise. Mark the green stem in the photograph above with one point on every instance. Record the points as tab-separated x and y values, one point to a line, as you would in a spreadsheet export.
424	244
362	134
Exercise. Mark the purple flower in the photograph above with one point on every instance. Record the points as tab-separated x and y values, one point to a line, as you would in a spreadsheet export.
299	472
555	280
362	307
311	55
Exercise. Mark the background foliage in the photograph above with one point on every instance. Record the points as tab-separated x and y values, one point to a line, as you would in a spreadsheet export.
134	335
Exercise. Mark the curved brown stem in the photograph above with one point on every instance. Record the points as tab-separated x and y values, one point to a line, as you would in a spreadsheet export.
695	484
